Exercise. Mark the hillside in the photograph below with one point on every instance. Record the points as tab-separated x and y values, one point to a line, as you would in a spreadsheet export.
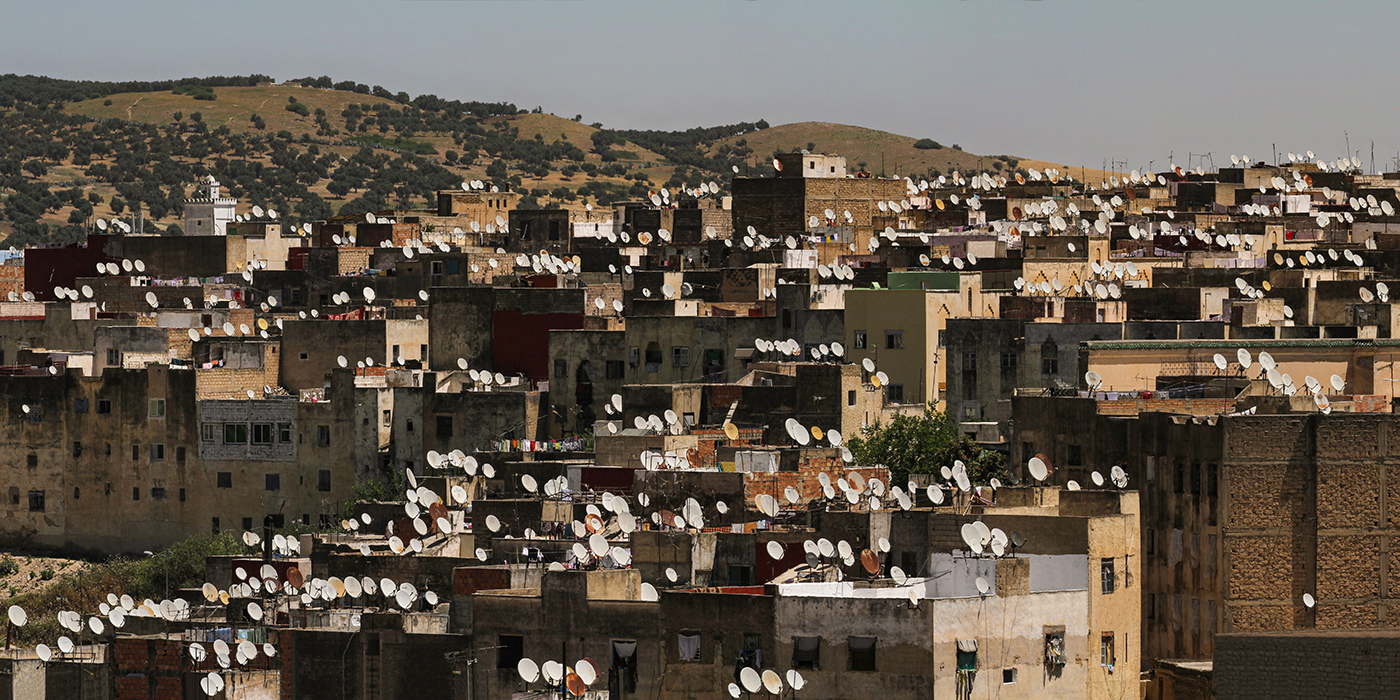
71	152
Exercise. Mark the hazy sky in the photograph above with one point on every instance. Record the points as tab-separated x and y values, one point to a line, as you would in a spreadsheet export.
1080	82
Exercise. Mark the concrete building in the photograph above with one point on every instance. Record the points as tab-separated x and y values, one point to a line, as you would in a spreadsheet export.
209	213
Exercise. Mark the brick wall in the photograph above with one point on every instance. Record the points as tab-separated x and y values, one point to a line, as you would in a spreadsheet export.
1307	665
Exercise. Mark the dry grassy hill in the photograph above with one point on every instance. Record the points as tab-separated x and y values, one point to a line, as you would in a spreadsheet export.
234	106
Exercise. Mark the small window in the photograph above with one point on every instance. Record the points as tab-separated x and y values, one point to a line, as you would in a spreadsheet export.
136	493
612	369
388	417
79	405
209	432
302	356
1008	676
862	653
858	340
850	397
32	460
680	356
235	433
323	436
182	495
247	523
224	480
157	452
262	433
688	646
1008	361
214	524
323	480
436	267
104	406
76	493
1076	456
393	356
1150	606
1149	541
1106	577
284	433
135	453
967	660
894	340
1106	657
114	357
36	501
408	424
156	408
158	493
512	650
1049	365
895	393
77	449
444	426
272	482
806	653
180	454
561	369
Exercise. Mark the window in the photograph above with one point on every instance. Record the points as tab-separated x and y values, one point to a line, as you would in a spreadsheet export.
444	426
284	433
1150	542
423	354
1008	361
394	355
1076	456
302	356
967	660
1049	364
180	454
75	493
157	452
634	356
1106	577
262	433
688	419
323	436
454	267
512	650
894	340
135	453
79	405
323	480
858	340
909	562
158	492
1106	657
408	425
1212	480
36	501
272	482
214	524
688	646
224	480
850	397
862	653
77	449
561	369
806	653
209	432
235	433
136	493
1008	676
1151	606
787	318
388	418
895	393
32	460
104	406
114	357
182	495
680	357
247	523
436	267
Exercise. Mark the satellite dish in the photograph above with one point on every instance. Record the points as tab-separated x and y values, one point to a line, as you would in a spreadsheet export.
1243	356
983	587
1308	600
1096	477
1037	468
1220	361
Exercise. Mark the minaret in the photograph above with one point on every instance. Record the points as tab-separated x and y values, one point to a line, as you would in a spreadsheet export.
208	213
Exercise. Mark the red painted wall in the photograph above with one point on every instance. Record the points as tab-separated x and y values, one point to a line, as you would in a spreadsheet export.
521	341
46	268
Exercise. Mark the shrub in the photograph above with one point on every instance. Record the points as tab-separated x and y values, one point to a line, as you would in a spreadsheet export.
927	145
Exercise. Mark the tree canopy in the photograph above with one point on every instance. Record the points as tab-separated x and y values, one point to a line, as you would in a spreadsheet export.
923	445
